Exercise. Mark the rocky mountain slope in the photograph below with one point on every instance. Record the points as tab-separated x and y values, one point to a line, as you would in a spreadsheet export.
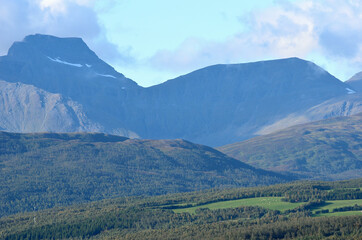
25	108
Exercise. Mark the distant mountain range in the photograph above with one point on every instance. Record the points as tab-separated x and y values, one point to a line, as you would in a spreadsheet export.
73	90
50	169
328	149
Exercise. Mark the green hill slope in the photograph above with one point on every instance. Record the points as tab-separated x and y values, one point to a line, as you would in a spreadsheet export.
45	170
327	149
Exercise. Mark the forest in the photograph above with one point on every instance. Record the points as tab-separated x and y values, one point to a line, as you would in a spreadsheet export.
302	210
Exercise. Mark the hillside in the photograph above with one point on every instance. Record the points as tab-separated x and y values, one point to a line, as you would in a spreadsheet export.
216	105
327	149
48	169
284	211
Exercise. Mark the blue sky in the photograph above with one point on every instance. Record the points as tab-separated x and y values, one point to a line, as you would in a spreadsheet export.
153	41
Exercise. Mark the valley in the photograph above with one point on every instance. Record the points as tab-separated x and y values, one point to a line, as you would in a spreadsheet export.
261	150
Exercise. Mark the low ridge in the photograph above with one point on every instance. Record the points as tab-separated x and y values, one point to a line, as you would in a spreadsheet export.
327	149
51	169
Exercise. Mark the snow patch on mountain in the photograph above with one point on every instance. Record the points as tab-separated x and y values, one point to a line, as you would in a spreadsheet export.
106	75
66	63
350	91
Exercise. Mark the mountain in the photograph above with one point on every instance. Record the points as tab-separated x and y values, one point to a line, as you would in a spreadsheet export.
326	149
215	105
227	103
68	67
49	169
356	81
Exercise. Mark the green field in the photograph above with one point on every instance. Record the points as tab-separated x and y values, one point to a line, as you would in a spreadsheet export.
337	214
330	205
273	203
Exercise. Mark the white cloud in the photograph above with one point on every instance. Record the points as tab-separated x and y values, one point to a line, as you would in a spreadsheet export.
61	6
55	6
330	29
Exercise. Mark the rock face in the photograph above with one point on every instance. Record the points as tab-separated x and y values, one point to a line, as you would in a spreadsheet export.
215	105
30	109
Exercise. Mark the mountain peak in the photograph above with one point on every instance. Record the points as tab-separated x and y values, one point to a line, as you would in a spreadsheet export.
71	49
45	37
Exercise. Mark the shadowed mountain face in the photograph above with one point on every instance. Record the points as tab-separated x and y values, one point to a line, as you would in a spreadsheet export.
50	169
328	149
226	103
216	105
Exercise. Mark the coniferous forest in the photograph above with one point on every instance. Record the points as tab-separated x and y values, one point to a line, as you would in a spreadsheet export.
300	210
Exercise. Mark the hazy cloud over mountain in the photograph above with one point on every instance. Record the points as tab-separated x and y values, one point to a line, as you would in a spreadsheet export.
152	41
318	30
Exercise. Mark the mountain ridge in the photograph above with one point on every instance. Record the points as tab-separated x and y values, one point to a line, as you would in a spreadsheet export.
215	105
